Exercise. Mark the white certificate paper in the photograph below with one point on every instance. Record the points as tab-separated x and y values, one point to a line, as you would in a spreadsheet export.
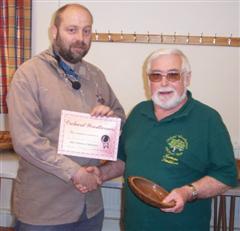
86	136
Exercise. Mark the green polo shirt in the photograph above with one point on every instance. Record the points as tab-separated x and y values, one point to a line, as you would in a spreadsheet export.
178	150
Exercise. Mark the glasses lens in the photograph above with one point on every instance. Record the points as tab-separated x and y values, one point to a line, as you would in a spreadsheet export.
155	77
173	76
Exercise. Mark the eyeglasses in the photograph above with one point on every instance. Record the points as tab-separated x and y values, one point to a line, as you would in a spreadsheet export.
171	76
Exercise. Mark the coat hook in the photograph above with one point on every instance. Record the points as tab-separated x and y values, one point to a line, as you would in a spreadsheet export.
148	37
109	36
134	37
96	35
121	36
230	39
161	38
174	37
201	38
187	40
214	39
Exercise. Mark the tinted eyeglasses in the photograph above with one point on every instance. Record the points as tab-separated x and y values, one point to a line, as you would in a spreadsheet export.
171	76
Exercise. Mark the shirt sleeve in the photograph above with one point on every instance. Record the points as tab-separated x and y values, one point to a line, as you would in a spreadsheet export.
26	128
222	162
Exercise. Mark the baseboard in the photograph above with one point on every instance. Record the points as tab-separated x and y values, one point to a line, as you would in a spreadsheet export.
6	229
6	218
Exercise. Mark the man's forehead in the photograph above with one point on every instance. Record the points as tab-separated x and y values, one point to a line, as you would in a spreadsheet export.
74	13
169	59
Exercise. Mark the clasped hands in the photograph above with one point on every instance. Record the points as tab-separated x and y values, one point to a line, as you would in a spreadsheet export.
87	179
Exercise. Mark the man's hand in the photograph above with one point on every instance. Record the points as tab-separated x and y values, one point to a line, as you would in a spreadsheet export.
206	187
87	179
180	196
96	171
102	110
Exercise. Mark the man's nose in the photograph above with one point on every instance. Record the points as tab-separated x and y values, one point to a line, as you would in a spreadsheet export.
164	81
79	36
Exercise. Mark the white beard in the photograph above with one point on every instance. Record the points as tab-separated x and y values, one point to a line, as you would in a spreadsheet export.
170	103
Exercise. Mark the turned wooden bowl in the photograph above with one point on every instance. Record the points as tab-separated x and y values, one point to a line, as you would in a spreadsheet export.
5	141
149	192
238	167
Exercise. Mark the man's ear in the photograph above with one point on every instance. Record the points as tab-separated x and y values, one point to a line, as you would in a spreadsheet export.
53	30
188	77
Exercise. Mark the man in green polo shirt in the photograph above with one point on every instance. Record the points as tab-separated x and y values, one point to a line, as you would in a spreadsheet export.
177	142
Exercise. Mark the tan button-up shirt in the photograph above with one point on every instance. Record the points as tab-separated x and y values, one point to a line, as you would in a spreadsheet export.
43	192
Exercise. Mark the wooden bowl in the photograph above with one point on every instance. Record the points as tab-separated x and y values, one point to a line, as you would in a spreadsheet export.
238	167
149	192
5	141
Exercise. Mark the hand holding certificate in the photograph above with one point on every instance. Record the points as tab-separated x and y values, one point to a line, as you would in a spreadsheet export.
86	136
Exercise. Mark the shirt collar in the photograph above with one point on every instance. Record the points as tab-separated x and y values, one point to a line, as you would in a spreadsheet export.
80	67
148	111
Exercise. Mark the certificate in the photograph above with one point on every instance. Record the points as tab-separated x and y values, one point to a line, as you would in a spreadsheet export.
87	136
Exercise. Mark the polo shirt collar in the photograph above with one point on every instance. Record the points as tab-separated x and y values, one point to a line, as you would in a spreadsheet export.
148	110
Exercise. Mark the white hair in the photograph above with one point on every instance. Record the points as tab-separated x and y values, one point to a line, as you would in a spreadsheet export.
185	67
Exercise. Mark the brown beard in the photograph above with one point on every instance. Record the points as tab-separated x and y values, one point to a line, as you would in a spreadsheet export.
66	53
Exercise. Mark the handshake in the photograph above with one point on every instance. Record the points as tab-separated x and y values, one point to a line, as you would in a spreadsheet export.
87	179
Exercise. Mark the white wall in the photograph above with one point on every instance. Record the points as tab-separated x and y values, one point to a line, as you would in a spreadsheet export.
216	70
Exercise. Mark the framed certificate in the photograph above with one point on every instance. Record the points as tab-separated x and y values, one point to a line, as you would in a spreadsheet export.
86	136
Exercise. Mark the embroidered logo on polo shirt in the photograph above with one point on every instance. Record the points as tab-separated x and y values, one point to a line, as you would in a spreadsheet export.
176	145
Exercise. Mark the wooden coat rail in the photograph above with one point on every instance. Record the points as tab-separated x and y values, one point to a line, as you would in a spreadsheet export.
167	39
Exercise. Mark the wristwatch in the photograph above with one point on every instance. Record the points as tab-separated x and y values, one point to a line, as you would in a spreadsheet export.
194	192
